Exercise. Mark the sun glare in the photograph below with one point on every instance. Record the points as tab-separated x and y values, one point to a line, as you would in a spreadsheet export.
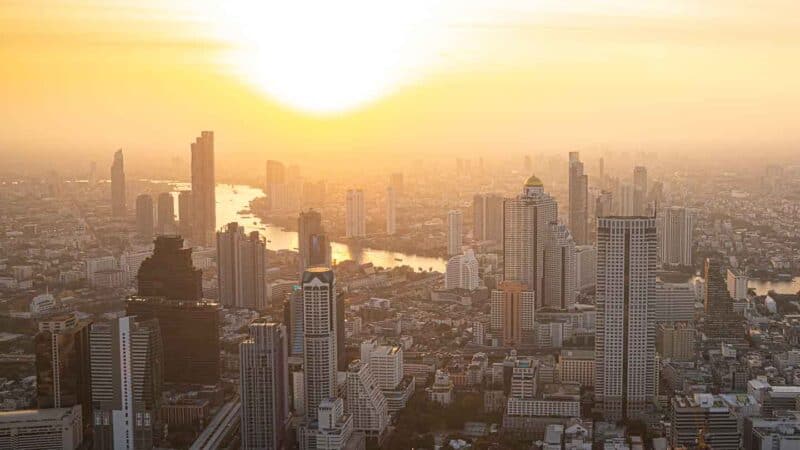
329	57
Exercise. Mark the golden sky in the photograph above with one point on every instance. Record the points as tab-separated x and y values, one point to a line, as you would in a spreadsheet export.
275	79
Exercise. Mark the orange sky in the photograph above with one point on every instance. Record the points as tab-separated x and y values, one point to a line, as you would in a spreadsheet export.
80	78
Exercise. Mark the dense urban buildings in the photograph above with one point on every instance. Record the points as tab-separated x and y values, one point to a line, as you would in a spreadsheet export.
118	198
242	265
204	215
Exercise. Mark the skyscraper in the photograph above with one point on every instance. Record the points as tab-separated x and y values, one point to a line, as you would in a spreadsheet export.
312	244
319	337
118	185
578	200
264	382
365	401
144	215
355	216
626	200
169	272
276	187
625	336
126	372
487	217
676	226
604	205
560	278
454	232
242	266
63	373
722	324
166	213
640	191
204	215
526	230
391	210
462	272
512	312
185	214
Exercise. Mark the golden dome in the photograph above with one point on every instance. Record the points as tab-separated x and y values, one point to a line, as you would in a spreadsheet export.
534	181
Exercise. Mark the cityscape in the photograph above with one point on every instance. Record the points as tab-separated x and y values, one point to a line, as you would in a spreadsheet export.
518	295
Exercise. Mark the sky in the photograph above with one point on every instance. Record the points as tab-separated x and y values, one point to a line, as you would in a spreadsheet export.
377	80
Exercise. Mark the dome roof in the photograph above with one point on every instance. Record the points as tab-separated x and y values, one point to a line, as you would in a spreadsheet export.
533	181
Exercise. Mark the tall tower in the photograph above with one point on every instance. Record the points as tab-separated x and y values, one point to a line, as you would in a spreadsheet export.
277	190
640	191
319	337
264	381
185	214
625	337
312	243
526	230
166	213
204	203
391	210
144	216
365	401
512	312
356	221
578	200
721	322
454	232
242	268
676	226
169	272
63	376
559	269
626	200
126	371
487	217
118	185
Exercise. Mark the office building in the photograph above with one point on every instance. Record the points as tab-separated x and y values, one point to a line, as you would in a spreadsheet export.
365	402
705	415
277	189
604	204
676	226
264	387
675	341
391	210
293	319
204	213
385	361
462	272
331	429
625	200
127	365
312	243
190	332
319	337
487	217
454	232
186	222
169	272
144	215
355	214
118	208
560	279
578	200
526	230
722	323
772	433
625	335
674	302
166	213
242	268
63	377
585	266
42	429
512	312
737	284
576	366
640	207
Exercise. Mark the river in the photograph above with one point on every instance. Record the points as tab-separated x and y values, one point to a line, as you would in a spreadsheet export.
232	200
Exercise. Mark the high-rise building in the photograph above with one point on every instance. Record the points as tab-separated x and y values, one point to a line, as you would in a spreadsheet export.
625	332
312	243
385	361
585	266
705	415
63	374
512	312
604	205
264	384
331	429
640	191
487	217
190	335
560	279
185	214
144	215
166	213
204	214
721	322
674	302
675	341
293	318
242	267
578	200
118	185
625	200
365	402
526	230
277	190
391	210
462	272
676	226
127	364
319	337
169	272
737	284
454	232
355	215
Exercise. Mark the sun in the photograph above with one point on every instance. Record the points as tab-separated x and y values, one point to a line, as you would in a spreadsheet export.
328	57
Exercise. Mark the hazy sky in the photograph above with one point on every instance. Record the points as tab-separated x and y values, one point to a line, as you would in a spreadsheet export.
275	79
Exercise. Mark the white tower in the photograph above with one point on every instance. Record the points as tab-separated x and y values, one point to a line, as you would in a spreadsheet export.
319	337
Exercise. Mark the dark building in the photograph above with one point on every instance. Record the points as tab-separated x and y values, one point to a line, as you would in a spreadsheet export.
204	215
190	333
144	215
312	245
722	323
63	372
169	272
166	213
487	217
118	185
185	213
341	354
